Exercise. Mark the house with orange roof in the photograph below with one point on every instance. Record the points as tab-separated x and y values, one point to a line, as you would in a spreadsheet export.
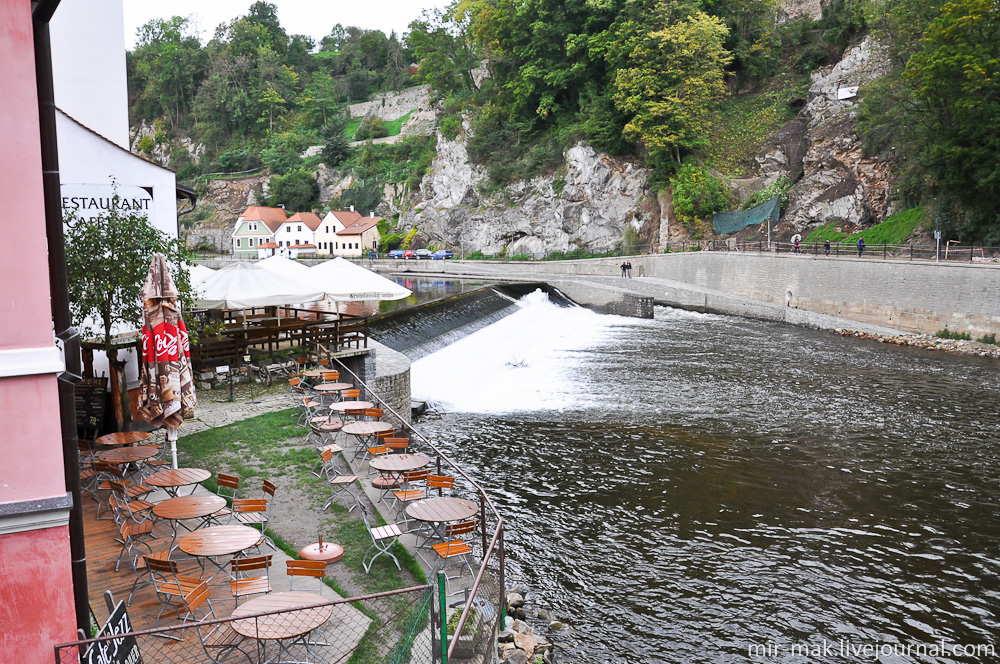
266	249
297	235
334	222
358	239
257	225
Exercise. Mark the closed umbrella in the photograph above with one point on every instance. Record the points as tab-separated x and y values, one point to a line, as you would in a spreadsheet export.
166	390
245	286
346	282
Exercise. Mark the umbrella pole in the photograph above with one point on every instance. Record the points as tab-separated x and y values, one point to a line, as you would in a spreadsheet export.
172	438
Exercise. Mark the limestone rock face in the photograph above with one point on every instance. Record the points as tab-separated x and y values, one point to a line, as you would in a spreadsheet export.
586	205
796	9
838	184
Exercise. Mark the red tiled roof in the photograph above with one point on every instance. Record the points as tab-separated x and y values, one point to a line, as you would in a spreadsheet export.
267	245
346	217
307	218
272	217
360	226
303	246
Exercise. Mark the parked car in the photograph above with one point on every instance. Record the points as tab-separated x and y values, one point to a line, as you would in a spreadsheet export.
409	253
396	253
423	254
441	254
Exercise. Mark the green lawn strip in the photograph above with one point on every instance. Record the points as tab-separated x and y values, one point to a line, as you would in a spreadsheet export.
393	127
894	230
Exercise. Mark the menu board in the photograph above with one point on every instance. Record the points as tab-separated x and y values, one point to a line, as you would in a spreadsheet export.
90	398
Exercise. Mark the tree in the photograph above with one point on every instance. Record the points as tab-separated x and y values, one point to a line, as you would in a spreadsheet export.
677	73
336	147
445	50
371	127
319	96
296	190
270	99
169	64
107	259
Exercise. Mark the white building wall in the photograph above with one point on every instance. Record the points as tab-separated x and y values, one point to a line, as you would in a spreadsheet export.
88	66
289	234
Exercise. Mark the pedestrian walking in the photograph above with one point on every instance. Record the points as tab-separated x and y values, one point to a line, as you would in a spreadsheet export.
861	246
826	247
623	270
628	269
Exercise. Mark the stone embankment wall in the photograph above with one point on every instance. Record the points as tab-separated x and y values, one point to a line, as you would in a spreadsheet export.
913	297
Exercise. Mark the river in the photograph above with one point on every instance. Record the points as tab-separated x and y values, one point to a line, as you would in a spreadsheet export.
701	488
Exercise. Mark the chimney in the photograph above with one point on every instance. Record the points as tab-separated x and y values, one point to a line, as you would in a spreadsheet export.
371	215
352	208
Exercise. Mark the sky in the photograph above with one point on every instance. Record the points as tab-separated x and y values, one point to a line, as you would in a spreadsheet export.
304	17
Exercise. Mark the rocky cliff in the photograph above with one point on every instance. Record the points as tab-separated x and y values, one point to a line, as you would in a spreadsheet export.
587	204
821	151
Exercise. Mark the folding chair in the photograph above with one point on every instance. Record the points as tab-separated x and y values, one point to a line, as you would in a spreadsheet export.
410	489
326	455
343	484
304	568
226	487
185	593
253	512
221	637
243	585
455	547
383	539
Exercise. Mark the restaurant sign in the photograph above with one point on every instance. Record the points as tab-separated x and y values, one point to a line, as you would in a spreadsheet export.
88	201
119	650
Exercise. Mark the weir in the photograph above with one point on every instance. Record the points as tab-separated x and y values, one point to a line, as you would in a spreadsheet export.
421	330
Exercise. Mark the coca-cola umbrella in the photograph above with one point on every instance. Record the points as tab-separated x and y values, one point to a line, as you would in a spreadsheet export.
166	390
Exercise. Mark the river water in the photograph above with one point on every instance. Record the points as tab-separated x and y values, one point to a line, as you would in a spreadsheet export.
701	488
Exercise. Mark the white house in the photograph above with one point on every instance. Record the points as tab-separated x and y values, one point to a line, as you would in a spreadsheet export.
358	238
257	225
334	222
297	235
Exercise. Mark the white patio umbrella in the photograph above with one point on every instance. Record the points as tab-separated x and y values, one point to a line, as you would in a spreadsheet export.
286	266
245	286
344	281
199	274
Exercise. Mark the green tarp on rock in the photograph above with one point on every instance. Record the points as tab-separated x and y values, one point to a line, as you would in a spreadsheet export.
731	222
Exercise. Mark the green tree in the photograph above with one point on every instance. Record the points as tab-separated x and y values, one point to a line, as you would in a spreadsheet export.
319	96
336	147
271	100
445	49
678	71
296	190
371	127
168	65
107	259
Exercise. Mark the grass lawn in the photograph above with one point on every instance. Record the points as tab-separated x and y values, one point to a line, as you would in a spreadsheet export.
894	230
392	126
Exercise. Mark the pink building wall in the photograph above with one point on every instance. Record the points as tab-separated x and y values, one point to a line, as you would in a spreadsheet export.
36	603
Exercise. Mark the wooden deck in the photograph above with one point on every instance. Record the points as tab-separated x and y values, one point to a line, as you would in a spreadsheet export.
103	550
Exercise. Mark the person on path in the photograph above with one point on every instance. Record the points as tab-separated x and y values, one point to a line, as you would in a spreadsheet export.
826	247
861	246
623	270
628	269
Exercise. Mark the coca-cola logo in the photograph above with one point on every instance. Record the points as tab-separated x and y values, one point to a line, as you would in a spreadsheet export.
185	342
166	347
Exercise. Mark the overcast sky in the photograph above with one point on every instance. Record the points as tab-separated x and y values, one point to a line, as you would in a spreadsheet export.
306	17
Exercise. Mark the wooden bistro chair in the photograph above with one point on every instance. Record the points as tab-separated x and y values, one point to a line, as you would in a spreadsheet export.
253	512
226	487
455	547
327	453
185	594
242	583
330	376
350	395
411	488
339	483
304	568
383	539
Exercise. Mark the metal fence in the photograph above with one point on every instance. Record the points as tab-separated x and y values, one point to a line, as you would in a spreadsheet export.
483	603
397	626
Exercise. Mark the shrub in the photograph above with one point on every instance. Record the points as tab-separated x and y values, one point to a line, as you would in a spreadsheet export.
778	187
371	127
948	334
697	193
450	126
146	144
297	190
238	159
988	339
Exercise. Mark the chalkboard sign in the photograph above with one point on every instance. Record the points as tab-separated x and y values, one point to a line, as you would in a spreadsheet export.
90	402
123	650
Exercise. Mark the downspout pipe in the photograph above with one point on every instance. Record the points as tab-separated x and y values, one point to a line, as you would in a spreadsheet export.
41	13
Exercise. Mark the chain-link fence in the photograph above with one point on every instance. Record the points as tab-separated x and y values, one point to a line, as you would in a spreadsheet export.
295	626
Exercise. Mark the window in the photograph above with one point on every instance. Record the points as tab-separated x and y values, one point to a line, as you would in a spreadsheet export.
300	228
251	242
288	229
238	241
252	226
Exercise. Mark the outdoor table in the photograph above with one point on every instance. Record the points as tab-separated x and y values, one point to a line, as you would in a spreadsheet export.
314	610
172	479
392	467
435	511
123	456
122	438
366	431
342	406
209	543
314	373
332	389
177	510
